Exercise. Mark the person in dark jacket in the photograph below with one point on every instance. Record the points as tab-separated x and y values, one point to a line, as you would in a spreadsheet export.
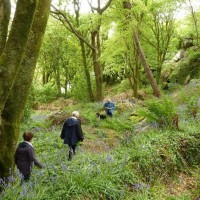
72	133
25	156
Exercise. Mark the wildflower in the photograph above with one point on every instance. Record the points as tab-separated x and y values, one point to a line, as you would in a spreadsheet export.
109	158
107	148
136	186
64	167
11	179
24	192
3	193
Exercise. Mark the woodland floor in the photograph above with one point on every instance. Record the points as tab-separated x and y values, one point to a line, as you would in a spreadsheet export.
98	143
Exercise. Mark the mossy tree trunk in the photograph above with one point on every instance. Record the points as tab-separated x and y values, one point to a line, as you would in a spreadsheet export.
133	68
136	74
98	70
5	8
96	43
17	65
87	72
156	91
83	52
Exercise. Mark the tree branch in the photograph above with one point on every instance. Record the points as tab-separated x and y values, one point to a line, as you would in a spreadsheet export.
70	28
98	9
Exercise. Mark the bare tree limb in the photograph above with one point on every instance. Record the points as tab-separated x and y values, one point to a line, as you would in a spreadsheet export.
98	8
64	20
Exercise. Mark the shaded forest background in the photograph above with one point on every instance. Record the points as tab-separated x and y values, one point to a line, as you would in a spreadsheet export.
118	42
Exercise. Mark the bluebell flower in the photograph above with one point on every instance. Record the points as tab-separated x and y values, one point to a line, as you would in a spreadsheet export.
136	186
64	167
24	192
11	179
109	158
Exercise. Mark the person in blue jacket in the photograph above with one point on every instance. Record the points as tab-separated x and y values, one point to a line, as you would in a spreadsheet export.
109	108
72	133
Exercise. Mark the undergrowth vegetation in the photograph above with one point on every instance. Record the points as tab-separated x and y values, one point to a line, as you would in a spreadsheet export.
119	159
159	111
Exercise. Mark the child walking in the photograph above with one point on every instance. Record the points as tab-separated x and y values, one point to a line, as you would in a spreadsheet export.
25	156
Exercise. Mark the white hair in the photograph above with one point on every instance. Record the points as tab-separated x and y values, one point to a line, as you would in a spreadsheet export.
75	114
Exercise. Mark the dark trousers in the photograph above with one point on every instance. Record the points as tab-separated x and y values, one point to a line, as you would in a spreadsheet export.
109	113
71	151
25	178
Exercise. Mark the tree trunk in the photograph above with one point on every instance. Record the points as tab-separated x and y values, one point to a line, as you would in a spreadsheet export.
136	74
5	8
15	102
195	20
97	68
10	61
56	69
87	72
14	50
84	60
134	67
149	74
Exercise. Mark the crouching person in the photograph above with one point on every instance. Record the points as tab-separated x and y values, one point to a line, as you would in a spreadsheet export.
25	157
72	133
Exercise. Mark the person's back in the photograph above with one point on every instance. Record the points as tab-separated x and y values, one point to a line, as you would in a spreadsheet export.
25	156
22	154
72	133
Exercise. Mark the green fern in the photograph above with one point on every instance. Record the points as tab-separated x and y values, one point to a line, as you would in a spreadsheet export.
160	111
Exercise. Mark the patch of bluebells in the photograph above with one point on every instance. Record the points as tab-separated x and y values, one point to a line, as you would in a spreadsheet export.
2	182
40	117
24	192
109	158
7	182
11	179
64	166
154	125
79	148
182	108
121	194
139	186
124	163
107	148
140	126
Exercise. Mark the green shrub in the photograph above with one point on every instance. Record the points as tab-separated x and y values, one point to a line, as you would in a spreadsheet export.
45	94
158	155
160	111
192	106
79	88
122	87
27	110
29	105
